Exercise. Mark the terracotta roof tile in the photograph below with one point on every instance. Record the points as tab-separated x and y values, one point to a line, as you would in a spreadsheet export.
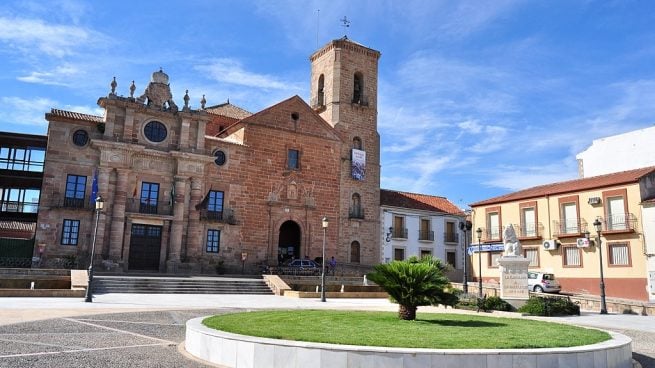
418	202
576	185
76	115
229	110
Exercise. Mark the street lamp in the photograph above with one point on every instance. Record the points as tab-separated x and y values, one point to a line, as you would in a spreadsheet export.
325	225
89	293
479	231
603	306
465	226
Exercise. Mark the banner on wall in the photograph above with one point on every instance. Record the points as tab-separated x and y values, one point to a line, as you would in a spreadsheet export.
358	164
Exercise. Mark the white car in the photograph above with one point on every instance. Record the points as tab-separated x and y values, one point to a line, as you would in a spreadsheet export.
541	282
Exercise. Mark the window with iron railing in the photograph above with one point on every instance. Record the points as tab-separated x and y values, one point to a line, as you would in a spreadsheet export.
19	200
399	233
620	222
75	188
356	212
449	237
571	226
427	235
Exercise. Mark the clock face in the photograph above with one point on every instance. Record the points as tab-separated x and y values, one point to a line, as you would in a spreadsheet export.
155	131
219	158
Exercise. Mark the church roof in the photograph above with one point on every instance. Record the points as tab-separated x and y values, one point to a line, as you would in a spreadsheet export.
417	201
570	186
75	115
228	110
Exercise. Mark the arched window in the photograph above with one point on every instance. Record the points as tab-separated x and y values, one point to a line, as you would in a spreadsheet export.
320	94
358	88
356	207
354	252
357	143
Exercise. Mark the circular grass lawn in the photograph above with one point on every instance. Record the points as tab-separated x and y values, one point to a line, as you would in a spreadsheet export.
429	330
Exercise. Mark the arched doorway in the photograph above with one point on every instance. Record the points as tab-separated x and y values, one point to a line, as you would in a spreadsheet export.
288	241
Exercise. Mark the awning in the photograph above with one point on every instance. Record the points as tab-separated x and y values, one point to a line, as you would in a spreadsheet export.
485	247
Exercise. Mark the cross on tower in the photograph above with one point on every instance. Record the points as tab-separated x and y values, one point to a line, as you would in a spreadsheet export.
345	21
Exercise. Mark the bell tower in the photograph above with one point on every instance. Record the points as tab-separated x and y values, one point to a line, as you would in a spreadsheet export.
344	82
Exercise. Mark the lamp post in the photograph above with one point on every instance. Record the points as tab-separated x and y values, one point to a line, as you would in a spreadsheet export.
603	306
324	222
479	231
465	226
89	293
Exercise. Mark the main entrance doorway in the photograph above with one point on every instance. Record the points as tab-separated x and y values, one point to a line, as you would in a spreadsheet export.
145	247
288	242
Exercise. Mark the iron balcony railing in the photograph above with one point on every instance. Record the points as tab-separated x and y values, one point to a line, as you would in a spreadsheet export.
449	237
426	235
529	229
399	233
226	216
574	226
620	222
145	206
72	203
492	233
356	213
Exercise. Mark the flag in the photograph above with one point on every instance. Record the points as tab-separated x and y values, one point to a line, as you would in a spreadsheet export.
94	187
203	203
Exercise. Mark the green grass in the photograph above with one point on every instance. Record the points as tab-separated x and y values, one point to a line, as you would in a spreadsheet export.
430	330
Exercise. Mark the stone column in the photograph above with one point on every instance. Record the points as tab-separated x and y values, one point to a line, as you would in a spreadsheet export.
126	241
102	246
194	233
178	220
118	215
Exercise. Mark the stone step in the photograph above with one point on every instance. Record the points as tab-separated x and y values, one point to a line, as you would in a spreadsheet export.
177	285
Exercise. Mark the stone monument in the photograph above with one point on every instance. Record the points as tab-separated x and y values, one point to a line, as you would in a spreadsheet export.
513	270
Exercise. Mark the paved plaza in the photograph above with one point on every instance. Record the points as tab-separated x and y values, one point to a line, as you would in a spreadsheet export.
137	330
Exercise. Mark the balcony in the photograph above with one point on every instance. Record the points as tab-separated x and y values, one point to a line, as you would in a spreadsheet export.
491	234
569	227
426	235
162	208
19	207
226	216
399	233
356	213
73	203
620	223
529	230
450	237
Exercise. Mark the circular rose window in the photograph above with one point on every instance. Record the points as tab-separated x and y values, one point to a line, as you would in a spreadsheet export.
219	158
80	138
155	131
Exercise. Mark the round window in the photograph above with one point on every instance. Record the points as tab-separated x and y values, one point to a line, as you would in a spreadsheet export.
219	158
155	131
80	138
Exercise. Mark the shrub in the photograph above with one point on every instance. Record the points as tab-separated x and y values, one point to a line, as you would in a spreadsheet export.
494	303
550	306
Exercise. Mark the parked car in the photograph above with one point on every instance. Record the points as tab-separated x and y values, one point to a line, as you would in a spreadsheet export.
541	282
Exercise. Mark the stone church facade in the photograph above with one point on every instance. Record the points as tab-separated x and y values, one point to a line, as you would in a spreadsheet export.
187	189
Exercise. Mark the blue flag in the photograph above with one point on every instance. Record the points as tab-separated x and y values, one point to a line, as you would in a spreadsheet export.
94	187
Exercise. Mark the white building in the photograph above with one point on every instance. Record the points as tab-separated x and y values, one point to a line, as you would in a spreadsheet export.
648	223
419	225
621	152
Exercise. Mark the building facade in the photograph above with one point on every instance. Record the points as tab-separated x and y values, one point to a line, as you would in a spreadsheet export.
422	225
187	190
554	223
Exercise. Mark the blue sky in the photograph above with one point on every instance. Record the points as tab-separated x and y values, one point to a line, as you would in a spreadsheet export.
476	98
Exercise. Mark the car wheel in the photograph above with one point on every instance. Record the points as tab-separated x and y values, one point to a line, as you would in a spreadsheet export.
538	289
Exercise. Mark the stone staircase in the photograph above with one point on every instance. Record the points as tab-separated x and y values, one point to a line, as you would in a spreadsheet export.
179	285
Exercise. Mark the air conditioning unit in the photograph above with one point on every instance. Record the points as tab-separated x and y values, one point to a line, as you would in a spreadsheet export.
550	244
582	243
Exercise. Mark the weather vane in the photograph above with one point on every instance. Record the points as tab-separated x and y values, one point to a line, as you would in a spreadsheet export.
345	21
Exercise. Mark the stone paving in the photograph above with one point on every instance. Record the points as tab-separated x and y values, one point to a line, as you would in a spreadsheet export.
136	330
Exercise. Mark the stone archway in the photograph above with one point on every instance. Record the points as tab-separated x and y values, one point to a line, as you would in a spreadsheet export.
289	241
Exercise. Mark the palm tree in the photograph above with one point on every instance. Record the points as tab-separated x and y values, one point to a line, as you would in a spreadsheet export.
413	283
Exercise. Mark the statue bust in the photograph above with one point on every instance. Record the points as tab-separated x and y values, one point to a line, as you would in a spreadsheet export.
512	244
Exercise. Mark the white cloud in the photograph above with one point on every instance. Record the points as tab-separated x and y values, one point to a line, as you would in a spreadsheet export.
56	40
25	112
55	77
516	178
231	71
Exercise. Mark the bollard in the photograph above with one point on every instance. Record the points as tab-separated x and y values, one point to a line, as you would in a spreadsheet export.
32	286
365	281
342	288
317	288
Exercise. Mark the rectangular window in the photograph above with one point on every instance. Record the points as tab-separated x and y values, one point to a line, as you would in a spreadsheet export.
493	259
75	188
398	254
149	198
215	204
424	230
399	231
293	159
426	253
570	218
213	240
572	257
532	254
493	223
451	258
451	235
616	217
19	200
22	159
70	232
619	254
528	222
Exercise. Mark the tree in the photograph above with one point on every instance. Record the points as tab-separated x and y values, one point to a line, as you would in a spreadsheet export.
413	283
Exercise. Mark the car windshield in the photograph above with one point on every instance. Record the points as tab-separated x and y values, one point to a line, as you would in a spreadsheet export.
549	276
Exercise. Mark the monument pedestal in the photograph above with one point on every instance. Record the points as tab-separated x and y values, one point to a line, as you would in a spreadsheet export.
514	279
